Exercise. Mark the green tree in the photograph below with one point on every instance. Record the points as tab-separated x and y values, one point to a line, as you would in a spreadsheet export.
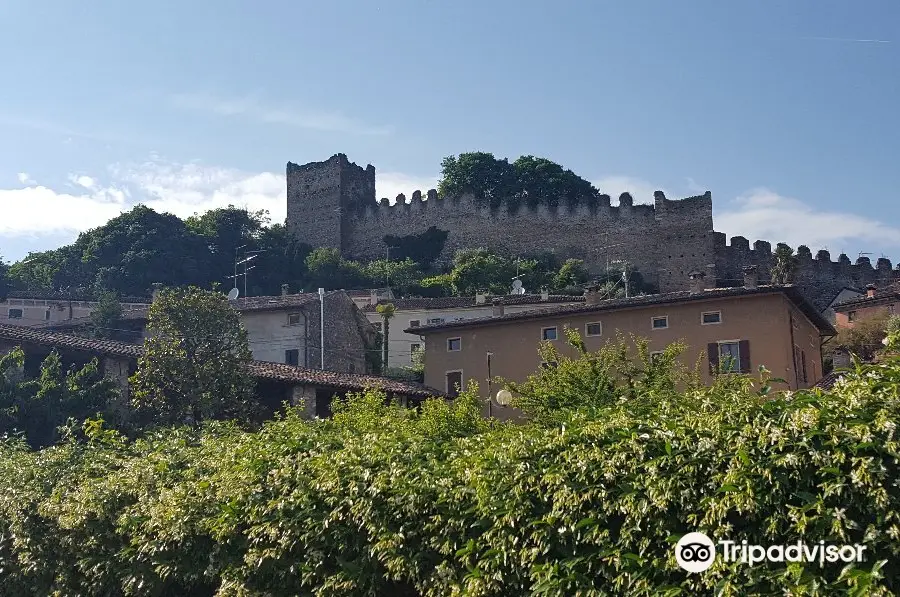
864	339
784	264
195	365
571	274
422	248
396	274
4	280
481	270
387	312
538	180
480	174
107	316
327	269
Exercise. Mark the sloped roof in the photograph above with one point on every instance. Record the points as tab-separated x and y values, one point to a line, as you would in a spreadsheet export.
791	292
272	303
886	293
461	302
828	382
259	369
59	296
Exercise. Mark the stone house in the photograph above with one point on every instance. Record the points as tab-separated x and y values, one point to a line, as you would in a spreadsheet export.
276	383
749	326
414	312
281	329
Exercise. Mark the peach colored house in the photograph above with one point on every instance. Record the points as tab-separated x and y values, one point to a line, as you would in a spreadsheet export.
754	325
876	302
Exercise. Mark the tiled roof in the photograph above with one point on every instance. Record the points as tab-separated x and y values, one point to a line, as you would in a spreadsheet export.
827	382
259	369
640	301
76	322
59	296
267	303
886	293
461	302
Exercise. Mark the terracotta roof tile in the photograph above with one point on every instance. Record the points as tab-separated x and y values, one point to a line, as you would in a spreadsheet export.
460	302
266	303
260	369
828	382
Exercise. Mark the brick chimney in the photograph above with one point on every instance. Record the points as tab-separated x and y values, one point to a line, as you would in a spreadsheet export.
870	290
284	289
545	294
154	294
480	298
697	283
498	310
751	277
592	295
373	297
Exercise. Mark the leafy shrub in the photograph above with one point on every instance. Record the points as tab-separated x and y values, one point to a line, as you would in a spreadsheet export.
382	500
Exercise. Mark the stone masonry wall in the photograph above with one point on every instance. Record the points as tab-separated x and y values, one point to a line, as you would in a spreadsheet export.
345	334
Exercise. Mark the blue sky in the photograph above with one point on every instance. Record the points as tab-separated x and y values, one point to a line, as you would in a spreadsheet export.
786	111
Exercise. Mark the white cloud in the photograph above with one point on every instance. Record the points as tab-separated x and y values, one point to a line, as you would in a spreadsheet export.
24	178
82	181
764	214
253	108
40	210
641	190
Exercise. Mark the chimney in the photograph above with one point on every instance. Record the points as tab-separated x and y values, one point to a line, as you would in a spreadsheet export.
284	290
751	277
480	298
870	290
545	294
841	358
697	284
373	297
592	295
498	308
157	287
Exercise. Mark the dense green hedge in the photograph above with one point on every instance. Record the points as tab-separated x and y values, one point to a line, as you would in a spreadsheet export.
381	501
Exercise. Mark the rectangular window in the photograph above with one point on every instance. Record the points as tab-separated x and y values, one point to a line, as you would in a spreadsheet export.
655	355
659	323
711	317
414	323
15	313
851	315
435	321
294	318
594	328
548	333
454	383
292	357
730	357
549	364
415	347
454	344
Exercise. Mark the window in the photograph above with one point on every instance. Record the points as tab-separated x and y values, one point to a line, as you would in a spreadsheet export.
414	323
415	347
454	344
549	364
803	366
294	318
711	317
655	355
292	357
851	315
730	357
593	329
659	323
15	314
47	315
454	383
435	321
548	333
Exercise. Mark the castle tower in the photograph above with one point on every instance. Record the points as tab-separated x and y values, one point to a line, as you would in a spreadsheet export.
322	198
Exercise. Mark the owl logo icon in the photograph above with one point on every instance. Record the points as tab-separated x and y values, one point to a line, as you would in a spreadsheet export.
695	552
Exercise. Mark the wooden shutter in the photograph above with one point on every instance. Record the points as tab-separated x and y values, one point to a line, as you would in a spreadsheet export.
803	366
744	348
712	353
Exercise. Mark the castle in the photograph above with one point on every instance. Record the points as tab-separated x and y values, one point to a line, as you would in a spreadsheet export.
333	204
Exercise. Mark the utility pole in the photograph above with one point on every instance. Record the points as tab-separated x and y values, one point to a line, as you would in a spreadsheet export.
490	395
322	328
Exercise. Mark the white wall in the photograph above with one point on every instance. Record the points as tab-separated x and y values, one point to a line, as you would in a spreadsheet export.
36	311
270	335
400	344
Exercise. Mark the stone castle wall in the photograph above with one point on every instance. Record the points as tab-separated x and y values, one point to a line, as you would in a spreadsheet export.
333	204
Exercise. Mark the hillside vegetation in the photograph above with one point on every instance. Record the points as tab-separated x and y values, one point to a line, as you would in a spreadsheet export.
586	499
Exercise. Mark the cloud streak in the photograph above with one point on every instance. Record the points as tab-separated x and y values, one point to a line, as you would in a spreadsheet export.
254	109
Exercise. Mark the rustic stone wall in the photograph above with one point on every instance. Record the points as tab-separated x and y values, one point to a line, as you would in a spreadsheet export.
346	329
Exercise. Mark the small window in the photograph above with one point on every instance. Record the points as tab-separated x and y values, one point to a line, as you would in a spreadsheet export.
415	347
15	313
414	323
730	357
548	333
454	344
294	318
47	315
593	329
292	357
851	316
454	383
711	317
549	364
660	323
655	355
435	321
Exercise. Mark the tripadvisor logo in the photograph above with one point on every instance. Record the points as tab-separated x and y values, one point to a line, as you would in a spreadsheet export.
696	552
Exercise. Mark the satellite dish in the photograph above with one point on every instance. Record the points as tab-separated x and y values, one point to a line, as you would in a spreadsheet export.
233	294
504	397
517	287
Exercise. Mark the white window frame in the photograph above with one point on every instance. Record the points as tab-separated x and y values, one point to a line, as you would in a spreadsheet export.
705	313
590	335
449	340
299	317
462	380
555	333
19	309
738	363
654	318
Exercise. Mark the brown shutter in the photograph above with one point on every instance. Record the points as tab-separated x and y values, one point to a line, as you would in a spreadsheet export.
712	352
744	348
